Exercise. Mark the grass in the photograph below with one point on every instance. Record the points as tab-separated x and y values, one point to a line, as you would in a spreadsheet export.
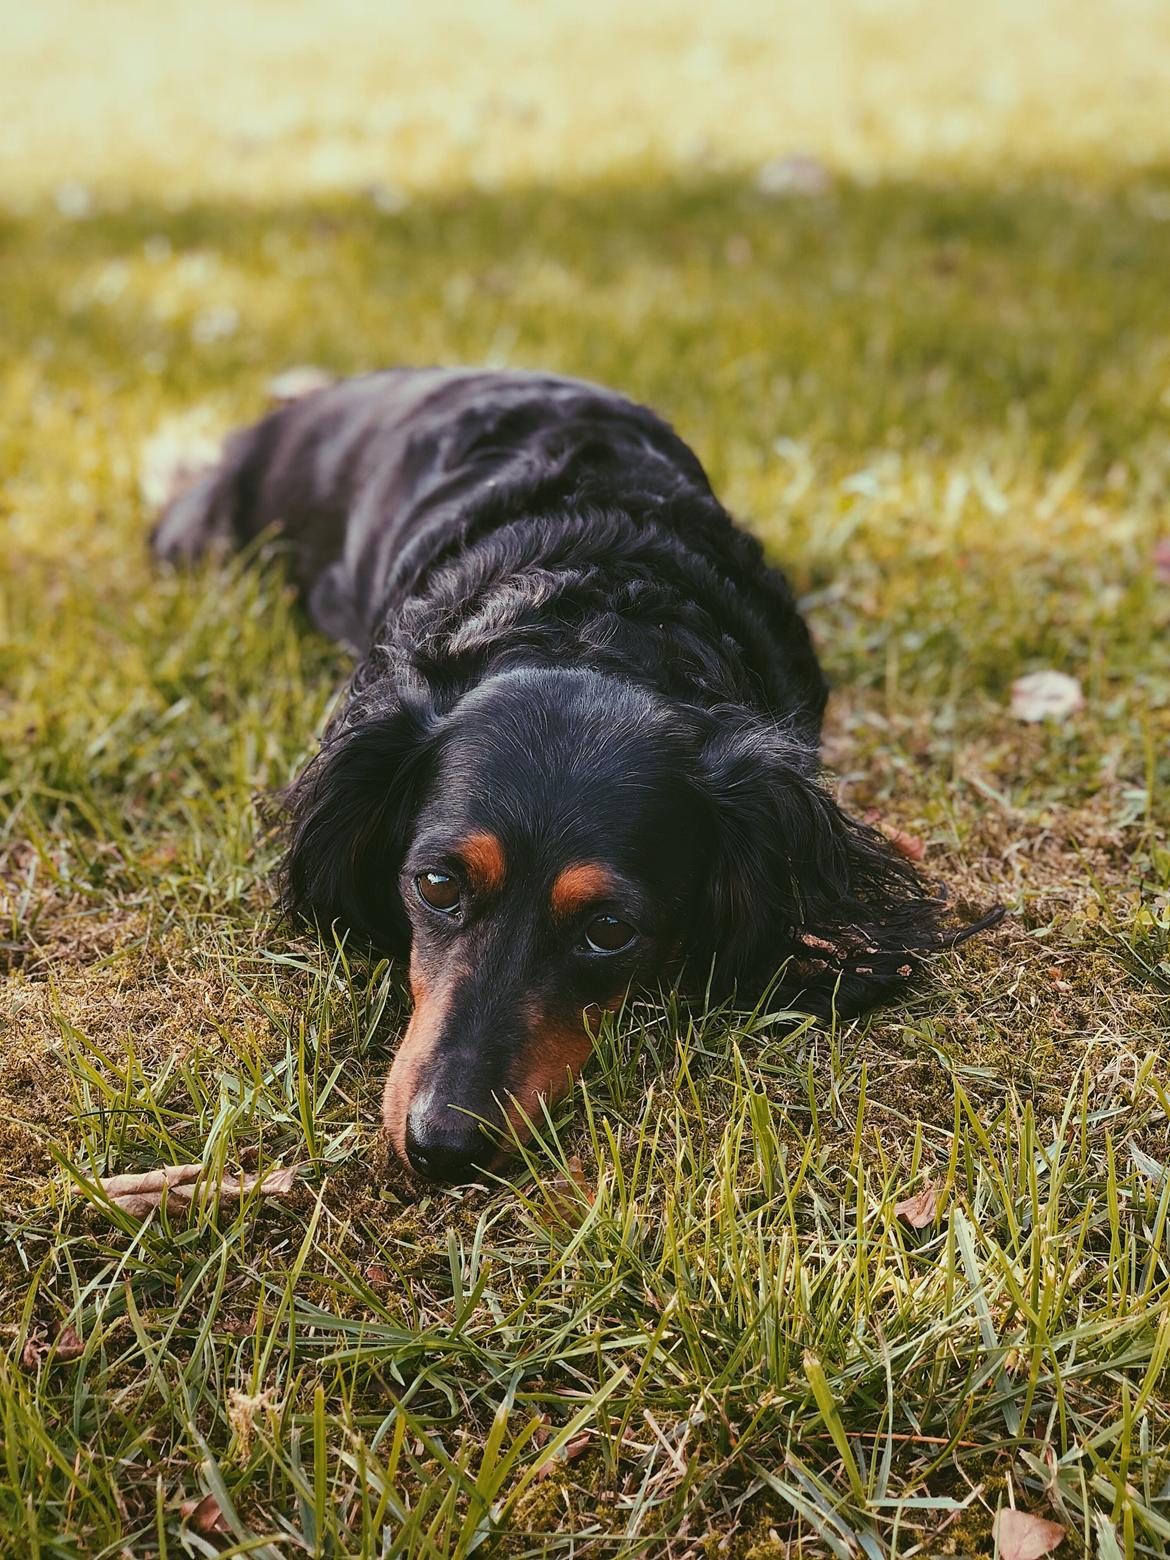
693	1324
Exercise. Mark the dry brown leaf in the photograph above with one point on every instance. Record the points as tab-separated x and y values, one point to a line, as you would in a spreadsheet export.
1019	1536
204	1515
569	1453
908	845
149	1182
904	843
919	1210
67	1345
140	1194
35	1349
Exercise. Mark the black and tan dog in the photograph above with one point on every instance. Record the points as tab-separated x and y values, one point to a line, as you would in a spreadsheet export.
580	749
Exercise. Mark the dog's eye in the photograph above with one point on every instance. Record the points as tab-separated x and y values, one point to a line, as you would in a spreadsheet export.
606	934
439	890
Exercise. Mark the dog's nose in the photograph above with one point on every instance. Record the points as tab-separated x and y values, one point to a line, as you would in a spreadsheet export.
452	1151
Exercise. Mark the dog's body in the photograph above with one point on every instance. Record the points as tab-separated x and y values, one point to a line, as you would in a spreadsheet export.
584	708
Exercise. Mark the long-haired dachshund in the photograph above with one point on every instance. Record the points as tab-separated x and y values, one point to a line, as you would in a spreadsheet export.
579	752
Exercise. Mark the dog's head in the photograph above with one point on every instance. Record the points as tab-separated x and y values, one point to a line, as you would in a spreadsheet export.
557	838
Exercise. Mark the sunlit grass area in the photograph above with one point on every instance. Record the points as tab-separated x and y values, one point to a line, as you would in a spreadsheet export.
928	360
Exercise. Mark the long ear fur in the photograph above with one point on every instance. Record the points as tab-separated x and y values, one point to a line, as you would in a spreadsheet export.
795	879
350	813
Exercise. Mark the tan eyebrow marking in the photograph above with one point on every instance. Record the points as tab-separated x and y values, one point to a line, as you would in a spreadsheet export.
483	856
576	886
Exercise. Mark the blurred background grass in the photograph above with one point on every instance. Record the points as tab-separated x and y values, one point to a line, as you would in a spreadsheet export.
279	97
899	272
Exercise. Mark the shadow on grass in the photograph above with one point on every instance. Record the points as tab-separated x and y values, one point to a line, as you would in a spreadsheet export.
878	314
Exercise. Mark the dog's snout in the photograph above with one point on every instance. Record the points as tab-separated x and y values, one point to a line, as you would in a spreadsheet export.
444	1144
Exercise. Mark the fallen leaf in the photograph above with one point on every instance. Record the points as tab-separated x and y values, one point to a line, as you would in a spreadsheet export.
204	1515
141	1193
296	383
1162	561
908	845
1046	695
919	1210
148	1182
67	1345
1019	1536
569	1452
35	1349
904	843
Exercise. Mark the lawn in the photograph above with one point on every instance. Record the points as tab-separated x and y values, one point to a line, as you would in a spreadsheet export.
930	365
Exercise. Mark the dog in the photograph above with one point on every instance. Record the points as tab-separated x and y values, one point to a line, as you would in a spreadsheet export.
579	754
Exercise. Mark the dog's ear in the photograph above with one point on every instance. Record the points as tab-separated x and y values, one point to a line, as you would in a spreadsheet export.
350	817
796	881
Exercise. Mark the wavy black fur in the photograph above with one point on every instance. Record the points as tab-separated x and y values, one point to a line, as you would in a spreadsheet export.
526	560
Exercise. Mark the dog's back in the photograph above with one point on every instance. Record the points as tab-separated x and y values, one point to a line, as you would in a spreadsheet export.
379	483
356	473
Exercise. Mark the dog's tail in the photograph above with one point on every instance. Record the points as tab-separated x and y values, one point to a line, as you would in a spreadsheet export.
198	520
209	504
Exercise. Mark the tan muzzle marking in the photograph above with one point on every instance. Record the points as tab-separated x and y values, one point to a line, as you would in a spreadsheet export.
415	1049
